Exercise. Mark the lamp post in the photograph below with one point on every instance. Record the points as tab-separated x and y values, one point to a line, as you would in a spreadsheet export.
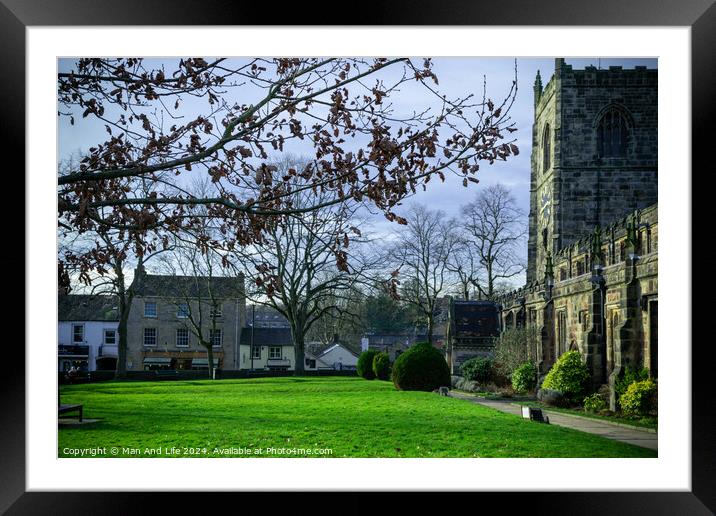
253	325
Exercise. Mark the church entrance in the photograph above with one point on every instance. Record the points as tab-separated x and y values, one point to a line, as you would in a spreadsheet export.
653	337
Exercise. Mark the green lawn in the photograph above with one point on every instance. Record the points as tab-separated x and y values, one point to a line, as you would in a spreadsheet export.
350	416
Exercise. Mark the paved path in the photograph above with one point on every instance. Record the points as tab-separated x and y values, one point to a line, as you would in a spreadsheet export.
606	429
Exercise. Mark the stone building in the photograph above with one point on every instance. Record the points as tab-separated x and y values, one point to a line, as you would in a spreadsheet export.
169	313
592	276
472	329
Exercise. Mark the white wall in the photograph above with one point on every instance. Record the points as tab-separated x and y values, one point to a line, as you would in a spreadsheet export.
93	337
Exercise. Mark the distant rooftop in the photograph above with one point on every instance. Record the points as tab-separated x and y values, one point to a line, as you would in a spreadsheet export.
188	286
82	307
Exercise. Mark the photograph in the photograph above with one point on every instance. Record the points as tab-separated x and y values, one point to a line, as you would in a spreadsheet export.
357	257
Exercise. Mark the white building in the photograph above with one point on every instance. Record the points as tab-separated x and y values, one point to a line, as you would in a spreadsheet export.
336	356
87	335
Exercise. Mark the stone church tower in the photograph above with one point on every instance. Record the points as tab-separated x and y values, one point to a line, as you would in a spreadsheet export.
594	154
592	276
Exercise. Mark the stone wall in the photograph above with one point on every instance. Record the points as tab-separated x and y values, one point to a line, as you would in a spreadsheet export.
602	300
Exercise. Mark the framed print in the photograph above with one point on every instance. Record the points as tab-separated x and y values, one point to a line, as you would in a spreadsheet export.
179	342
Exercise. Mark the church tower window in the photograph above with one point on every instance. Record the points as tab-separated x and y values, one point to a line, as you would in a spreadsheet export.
546	148
612	133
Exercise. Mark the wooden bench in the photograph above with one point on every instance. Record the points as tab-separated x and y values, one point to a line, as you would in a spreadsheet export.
63	409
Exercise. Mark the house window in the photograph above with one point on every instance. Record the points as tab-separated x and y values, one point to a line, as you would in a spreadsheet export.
150	309
182	337
110	337
215	311
256	352
612	135
310	363
150	337
546	148
182	310
275	352
215	337
78	333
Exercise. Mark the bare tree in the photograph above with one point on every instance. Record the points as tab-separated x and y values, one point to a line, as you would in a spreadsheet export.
464	265
114	254
494	229
343	317
198	292
421	254
229	119
300	253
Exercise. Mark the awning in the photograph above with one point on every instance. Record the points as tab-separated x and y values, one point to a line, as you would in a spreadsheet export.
203	362
158	360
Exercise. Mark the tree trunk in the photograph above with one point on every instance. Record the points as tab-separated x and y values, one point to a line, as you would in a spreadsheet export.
430	330
298	346
210	359
125	304
121	371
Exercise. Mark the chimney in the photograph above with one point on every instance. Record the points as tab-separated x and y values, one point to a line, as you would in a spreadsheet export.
140	273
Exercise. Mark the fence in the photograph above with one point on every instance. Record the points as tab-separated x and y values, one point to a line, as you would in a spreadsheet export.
103	376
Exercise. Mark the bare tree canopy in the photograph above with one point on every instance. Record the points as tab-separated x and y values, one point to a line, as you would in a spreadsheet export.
293	270
493	230
421	254
230	119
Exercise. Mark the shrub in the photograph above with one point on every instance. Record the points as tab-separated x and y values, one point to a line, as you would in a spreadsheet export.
594	403
524	378
477	369
364	367
421	368
629	376
381	366
639	399
569	376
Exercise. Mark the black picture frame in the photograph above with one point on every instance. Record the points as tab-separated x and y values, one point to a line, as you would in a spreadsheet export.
16	15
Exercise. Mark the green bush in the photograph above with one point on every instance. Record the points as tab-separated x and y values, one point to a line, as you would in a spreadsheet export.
524	378
628	377
421	368
477	369
364	367
569	376
594	403
381	366
639	399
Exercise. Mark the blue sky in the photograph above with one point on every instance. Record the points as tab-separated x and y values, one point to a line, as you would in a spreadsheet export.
457	76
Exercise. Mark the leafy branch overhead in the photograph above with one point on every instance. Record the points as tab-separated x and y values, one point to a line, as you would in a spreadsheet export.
169	123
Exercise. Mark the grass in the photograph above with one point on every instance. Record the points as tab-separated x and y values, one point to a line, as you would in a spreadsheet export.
350	416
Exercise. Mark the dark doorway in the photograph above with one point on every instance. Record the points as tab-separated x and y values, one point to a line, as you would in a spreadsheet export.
106	364
653	338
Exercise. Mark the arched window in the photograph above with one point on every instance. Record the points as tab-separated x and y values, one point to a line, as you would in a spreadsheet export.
546	148
612	133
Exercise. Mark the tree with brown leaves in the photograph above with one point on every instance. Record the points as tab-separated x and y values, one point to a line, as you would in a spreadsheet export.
229	120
